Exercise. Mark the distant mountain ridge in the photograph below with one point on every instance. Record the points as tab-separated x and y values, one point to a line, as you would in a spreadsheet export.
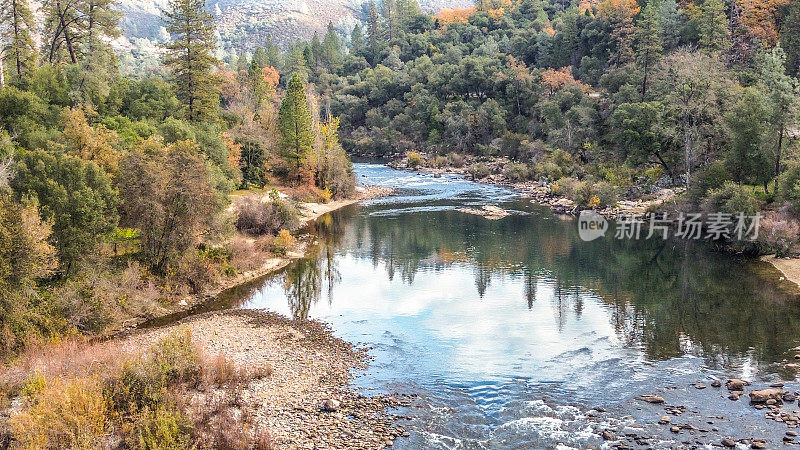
245	24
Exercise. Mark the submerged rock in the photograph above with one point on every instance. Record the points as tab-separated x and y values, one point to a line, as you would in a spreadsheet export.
651	398
488	211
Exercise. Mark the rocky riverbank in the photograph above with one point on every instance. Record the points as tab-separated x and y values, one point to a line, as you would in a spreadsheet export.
307	401
542	192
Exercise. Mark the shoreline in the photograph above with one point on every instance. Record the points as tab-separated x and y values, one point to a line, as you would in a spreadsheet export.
309	213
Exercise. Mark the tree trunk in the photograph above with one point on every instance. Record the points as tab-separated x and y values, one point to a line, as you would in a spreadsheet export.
779	150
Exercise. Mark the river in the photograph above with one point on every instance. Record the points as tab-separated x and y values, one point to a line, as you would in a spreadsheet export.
511	331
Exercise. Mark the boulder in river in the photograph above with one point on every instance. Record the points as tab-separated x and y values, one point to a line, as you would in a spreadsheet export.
651	398
736	384
764	395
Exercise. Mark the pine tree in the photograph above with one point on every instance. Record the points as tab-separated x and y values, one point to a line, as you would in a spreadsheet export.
374	35
790	38
295	124
389	13
20	51
407	10
648	42
713	26
331	49
190	55
669	24
316	50
356	39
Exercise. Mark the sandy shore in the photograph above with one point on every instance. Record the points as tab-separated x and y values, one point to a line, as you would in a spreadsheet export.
308	364
789	267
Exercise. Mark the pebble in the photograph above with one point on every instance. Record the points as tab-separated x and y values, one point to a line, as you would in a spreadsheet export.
607	435
664	420
700	386
675	429
716	383
728	443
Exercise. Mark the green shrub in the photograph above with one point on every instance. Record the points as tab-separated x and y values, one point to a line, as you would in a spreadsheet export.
478	171
710	177
516	172
789	185
164	428
143	382
439	162
606	193
732	199
549	170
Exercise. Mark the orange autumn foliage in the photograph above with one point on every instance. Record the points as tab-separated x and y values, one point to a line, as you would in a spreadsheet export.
554	80
229	85
271	76
614	9
457	15
234	149
760	18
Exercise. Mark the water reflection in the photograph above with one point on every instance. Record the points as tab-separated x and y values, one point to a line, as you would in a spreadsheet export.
662	298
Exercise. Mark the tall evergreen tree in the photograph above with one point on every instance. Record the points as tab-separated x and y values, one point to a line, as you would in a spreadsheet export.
648	42
669	24
295	124
19	53
190	55
790	38
374	32
331	49
356	39
713	26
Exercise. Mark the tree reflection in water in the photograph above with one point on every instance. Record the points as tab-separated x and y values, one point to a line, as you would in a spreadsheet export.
662	295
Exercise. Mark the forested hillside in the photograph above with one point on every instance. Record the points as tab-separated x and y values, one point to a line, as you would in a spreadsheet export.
600	99
116	192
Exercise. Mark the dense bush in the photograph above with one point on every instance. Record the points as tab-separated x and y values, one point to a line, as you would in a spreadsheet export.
516	172
282	243
732	199
257	217
789	186
414	159
478	171
778	233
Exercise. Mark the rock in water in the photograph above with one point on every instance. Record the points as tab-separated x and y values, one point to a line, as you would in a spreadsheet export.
651	398
735	384
763	395
728	443
607	435
329	405
716	383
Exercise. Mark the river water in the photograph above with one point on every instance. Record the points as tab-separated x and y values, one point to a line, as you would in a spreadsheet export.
511	331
